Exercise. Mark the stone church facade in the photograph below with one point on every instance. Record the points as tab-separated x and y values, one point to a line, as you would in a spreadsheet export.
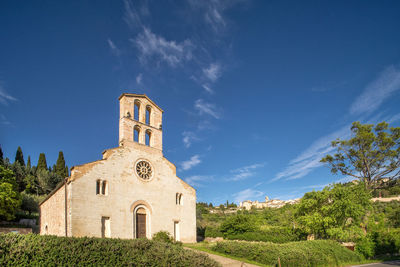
132	192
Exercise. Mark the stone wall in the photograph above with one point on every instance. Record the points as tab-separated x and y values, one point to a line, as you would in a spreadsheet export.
52	214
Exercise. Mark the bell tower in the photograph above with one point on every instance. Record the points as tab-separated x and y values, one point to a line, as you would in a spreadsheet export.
140	121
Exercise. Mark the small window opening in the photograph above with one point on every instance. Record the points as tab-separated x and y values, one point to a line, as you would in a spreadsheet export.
104	188
178	197
148	138
136	132
148	115
98	182
46	229
136	111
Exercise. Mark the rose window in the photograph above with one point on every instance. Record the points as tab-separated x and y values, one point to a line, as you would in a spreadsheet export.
143	170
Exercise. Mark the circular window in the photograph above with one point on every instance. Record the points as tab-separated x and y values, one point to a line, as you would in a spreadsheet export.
144	170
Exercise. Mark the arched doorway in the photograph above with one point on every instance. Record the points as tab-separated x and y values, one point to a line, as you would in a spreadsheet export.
140	223
141	212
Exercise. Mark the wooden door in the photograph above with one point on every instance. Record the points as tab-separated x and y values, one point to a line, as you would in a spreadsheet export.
140	225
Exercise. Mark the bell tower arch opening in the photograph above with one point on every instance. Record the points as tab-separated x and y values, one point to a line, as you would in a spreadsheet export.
145	126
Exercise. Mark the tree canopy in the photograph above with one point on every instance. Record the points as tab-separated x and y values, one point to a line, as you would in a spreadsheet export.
42	164
10	199
336	211
371	154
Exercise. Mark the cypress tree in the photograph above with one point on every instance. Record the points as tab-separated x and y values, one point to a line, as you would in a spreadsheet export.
28	163
60	166
42	164
66	171
19	157
1	156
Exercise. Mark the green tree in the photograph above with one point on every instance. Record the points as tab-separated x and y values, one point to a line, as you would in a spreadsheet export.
372	153
19	157
42	164
28	163
338	211
60	165
10	199
1	156
66	171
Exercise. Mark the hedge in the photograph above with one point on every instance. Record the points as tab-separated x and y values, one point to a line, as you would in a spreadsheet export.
36	250
271	234
213	232
302	253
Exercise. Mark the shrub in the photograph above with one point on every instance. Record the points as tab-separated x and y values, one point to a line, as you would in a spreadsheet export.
271	234
303	253
36	250
238	224
366	247
213	232
163	236
387	242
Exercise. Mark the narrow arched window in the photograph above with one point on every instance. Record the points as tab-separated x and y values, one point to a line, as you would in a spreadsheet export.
180	199
104	188
148	115
136	132
98	185
148	138
177	198
136	111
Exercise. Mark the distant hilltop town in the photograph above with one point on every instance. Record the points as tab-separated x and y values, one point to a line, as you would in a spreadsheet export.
269	203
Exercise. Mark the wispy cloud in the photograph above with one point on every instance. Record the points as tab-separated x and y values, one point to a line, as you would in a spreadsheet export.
114	48
193	161
196	180
207	108
139	78
377	91
189	138
152	46
5	98
247	194
132	15
212	72
3	120
208	88
245	172
310	158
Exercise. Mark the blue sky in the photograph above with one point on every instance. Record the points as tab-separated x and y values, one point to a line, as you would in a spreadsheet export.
253	91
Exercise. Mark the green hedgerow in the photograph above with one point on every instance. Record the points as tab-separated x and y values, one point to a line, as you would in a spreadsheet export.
36	250
302	253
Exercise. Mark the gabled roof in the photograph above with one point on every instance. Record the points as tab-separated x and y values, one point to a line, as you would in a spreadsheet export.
140	96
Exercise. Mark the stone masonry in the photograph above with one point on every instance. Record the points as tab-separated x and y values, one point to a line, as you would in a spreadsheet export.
132	192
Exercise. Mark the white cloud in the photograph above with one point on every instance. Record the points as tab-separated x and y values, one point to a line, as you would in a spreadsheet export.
139	78
208	88
213	72
114	48
206	108
247	194
245	172
189	138
152	46
377	91
132	16
193	161
310	158
196	179
5	97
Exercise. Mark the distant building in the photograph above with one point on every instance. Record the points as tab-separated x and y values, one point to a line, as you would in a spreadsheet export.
273	203
132	192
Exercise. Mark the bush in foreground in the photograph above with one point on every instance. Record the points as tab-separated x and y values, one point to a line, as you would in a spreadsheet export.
303	253
36	250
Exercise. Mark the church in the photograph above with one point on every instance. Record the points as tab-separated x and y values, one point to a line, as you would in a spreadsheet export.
132	192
